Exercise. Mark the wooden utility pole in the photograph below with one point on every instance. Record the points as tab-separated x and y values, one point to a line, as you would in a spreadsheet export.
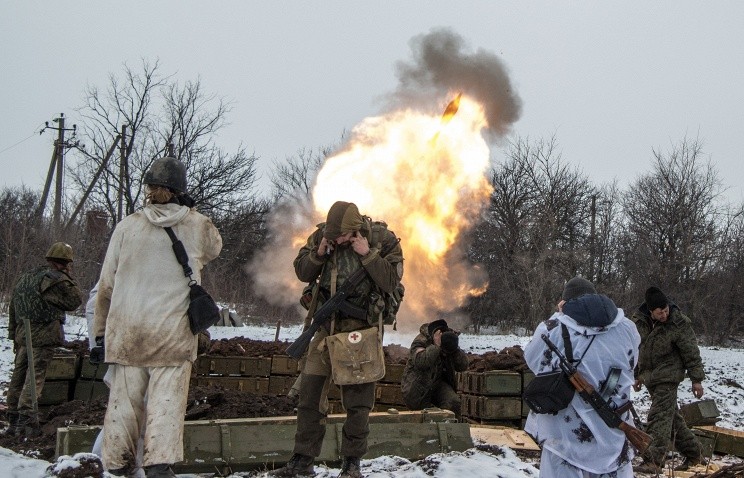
57	164
592	238
122	169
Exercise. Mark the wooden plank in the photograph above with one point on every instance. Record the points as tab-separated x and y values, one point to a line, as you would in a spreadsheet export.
90	371
63	367
55	392
257	385
702	412
233	366
90	389
245	444
284	365
504	436
727	441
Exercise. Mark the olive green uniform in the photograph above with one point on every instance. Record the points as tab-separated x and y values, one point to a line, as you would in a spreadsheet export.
383	276
41	296
429	376
667	351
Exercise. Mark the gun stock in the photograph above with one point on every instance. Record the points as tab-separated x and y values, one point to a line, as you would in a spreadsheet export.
638	438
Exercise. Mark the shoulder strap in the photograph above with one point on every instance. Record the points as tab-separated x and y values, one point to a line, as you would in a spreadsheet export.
568	346
181	256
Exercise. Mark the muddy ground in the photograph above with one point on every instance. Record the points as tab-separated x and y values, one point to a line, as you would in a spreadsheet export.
215	402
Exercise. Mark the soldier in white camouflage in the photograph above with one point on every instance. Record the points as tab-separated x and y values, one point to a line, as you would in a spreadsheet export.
41	296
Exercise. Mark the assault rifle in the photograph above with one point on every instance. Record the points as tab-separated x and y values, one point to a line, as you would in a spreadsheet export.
638	438
338	302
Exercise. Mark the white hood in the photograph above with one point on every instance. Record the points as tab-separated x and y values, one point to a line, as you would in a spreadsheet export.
165	215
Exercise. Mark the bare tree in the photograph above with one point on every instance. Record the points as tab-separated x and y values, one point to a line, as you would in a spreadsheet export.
295	175
157	112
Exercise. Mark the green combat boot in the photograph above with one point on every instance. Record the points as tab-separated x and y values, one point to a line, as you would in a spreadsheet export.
350	468
12	429
298	465
688	463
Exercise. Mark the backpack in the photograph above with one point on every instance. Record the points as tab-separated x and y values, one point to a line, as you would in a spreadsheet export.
388	302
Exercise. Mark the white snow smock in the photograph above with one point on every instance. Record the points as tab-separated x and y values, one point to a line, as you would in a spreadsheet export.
143	295
577	434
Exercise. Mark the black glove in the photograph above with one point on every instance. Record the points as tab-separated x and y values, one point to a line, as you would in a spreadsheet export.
98	353
450	342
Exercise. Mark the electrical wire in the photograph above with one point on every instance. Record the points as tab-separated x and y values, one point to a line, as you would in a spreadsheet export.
23	140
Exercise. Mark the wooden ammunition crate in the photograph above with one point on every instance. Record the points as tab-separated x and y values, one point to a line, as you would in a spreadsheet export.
707	441
389	393
284	365
55	392
90	371
63	367
703	412
491	408
727	441
492	383
260	443
393	373
86	390
233	366
281	384
257	385
527	377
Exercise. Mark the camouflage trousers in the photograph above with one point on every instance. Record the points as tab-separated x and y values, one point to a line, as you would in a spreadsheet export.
19	389
665	424
357	400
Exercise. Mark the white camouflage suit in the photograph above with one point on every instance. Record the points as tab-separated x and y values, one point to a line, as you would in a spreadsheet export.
576	443
141	310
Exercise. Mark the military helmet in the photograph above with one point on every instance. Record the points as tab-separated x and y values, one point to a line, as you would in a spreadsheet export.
60	251
168	172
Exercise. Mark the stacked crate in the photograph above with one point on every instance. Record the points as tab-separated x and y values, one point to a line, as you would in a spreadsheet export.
247	374
89	384
60	380
494	397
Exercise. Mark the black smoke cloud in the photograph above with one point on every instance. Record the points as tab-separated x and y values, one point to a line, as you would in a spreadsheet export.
441	64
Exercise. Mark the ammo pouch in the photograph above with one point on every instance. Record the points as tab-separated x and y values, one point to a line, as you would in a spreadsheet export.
356	357
551	392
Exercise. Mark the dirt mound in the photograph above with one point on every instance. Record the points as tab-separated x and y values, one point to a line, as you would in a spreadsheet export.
243	347
510	358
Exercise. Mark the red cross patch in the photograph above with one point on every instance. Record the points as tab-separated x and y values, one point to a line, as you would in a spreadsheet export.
354	337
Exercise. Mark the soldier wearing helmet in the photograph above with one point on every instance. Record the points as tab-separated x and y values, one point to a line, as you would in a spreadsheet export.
41	296
141	326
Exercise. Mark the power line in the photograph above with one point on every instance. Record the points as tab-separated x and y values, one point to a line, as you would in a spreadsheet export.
21	141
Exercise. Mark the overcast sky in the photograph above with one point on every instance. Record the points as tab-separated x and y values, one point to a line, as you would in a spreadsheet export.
610	80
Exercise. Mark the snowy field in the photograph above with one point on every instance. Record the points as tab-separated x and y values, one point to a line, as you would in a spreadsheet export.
724	384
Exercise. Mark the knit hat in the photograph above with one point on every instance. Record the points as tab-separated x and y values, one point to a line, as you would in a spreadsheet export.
577	287
655	298
343	217
440	324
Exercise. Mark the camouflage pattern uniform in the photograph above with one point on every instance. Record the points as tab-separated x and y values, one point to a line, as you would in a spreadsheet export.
383	274
42	296
429	376
667	351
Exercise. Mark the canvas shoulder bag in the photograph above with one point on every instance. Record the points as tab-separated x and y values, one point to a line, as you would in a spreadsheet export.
551	392
356	357
203	311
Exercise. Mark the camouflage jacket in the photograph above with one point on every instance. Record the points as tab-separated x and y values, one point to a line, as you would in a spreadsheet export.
426	366
383	273
42	295
668	349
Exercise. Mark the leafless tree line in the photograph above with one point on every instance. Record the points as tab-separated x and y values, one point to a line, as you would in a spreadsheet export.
546	221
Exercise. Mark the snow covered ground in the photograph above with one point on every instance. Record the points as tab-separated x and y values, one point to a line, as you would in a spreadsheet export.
724	384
